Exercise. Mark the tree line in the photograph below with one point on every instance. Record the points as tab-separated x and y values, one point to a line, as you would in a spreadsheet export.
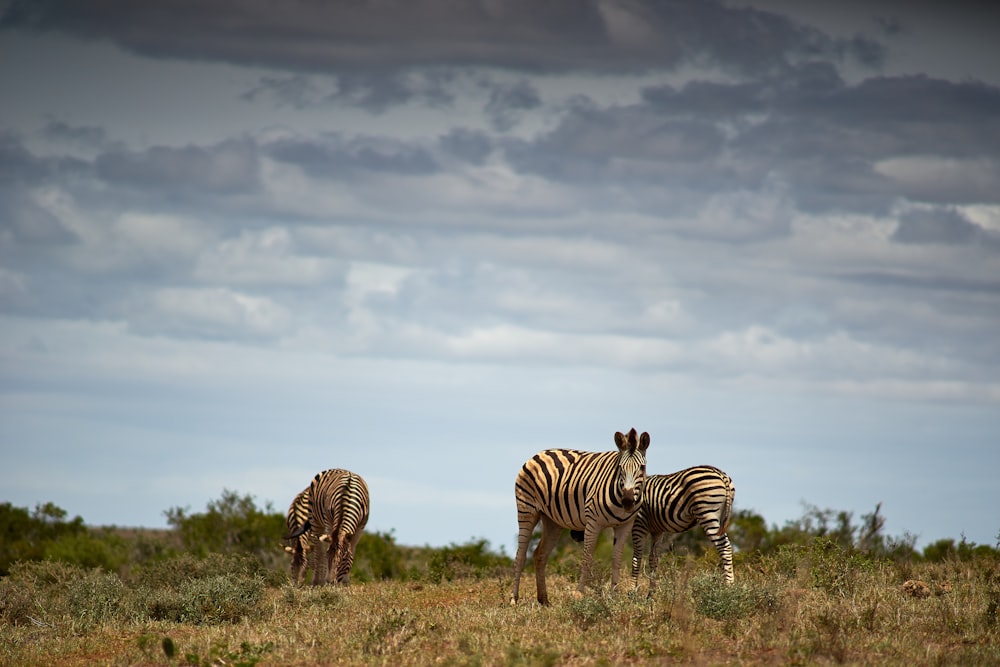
234	524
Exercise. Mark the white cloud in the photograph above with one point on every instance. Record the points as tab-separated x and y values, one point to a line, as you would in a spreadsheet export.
210	313
264	257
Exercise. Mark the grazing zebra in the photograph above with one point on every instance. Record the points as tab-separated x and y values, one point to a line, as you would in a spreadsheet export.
674	503
338	513
582	491
300	547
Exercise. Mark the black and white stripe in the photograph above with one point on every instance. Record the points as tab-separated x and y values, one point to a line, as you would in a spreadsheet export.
581	491
675	503
301	547
338	513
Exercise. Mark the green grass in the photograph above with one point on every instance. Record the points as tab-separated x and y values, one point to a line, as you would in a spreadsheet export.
817	604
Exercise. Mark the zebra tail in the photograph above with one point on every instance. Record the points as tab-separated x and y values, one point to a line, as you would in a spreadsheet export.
576	535
300	530
727	507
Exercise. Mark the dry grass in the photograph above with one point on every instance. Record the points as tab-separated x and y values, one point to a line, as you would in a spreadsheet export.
799	608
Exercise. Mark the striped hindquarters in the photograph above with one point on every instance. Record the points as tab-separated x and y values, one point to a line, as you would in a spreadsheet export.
340	508
675	503
299	540
298	515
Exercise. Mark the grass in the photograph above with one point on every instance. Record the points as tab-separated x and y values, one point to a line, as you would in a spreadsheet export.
805	606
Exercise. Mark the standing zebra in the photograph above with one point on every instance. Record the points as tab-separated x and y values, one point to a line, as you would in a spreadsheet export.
674	503
339	512
300	547
582	491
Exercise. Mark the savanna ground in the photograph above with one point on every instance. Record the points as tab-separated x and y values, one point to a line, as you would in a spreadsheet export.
812	601
811	605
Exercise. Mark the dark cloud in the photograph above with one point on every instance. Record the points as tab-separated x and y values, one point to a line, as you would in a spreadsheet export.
87	136
939	226
472	146
508	102
25	222
17	164
336	158
228	167
373	92
297	91
556	36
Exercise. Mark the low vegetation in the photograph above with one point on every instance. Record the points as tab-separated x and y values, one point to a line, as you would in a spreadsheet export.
816	591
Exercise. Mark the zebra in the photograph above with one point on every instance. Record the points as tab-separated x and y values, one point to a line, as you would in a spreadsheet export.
301	547
674	503
338	513
582	491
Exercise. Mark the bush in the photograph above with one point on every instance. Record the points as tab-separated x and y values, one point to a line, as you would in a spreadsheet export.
44	592
378	558
89	551
473	559
835	569
225	598
26	535
95	597
178	570
231	524
715	599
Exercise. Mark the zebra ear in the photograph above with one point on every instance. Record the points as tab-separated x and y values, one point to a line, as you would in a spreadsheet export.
644	441
620	441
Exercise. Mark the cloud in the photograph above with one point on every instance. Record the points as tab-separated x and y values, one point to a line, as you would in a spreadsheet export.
937	225
567	35
267	258
335	157
231	166
212	313
508	102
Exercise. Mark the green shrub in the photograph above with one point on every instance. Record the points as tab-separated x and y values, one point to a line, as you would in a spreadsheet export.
589	610
25	535
44	592
471	560
378	557
178	570
835	569
225	598
232	524
89	550
95	597
716	599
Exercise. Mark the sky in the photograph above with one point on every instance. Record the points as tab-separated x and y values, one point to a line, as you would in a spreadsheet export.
424	239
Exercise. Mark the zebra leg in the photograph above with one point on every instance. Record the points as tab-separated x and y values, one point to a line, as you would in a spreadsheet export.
321	569
347	560
527	520
298	568
725	549
654	559
550	535
337	564
638	547
723	546
589	542
621	533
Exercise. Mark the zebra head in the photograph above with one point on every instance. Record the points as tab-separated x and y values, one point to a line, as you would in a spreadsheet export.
631	466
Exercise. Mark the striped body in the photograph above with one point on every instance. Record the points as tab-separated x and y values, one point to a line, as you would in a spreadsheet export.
300	547
581	491
675	503
338	514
